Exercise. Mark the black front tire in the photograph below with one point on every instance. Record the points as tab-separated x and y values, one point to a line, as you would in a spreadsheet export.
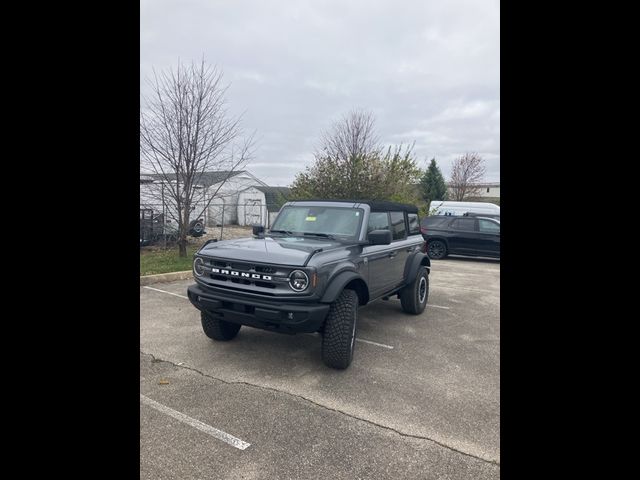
413	297
217	328
437	249
339	333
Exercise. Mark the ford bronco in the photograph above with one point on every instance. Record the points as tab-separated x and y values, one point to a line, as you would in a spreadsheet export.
311	271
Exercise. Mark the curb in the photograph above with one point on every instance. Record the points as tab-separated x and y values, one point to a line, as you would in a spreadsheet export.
165	277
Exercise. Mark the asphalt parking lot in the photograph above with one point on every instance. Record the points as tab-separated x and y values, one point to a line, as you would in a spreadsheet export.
420	400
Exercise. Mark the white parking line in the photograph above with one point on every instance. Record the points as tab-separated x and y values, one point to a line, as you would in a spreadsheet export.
164	291
437	306
203	427
357	339
317	334
374	343
464	288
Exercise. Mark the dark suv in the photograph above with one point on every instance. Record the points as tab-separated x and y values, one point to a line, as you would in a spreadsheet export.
311	271
461	235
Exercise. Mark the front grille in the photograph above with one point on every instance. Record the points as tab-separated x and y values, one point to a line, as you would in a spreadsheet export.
266	270
247	277
244	267
241	266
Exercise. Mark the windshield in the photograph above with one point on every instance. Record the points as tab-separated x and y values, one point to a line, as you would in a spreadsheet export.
319	221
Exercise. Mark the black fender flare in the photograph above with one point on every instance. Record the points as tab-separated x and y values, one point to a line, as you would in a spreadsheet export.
337	284
414	263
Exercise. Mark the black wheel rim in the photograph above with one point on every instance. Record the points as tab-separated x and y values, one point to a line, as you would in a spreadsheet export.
436	249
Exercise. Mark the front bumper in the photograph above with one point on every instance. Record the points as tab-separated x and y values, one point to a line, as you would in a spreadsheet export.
268	315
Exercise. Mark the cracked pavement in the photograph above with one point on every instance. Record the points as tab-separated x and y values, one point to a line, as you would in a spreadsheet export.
428	408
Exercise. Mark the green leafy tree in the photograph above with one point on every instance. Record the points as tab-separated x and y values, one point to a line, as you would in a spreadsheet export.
432	183
350	163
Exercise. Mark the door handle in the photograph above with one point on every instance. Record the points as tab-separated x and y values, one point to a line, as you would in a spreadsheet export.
410	249
393	254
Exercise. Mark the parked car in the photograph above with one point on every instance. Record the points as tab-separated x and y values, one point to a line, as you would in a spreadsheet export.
310	272
461	235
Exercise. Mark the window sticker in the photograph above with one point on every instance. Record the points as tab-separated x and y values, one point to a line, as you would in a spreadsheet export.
310	219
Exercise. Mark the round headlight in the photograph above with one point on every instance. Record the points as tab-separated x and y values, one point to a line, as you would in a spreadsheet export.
298	280
198	266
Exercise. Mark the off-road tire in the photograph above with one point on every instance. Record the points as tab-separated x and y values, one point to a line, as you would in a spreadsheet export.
339	333
218	329
437	249
411	295
197	229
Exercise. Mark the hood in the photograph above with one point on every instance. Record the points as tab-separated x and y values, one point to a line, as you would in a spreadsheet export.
276	250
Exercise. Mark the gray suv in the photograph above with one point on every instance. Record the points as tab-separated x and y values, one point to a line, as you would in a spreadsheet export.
311	271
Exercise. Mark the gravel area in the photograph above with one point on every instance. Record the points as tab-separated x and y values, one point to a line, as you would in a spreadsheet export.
229	232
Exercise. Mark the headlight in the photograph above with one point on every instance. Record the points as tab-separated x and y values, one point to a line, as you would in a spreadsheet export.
298	280
198	266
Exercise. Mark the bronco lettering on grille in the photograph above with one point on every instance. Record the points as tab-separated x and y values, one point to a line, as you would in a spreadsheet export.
233	273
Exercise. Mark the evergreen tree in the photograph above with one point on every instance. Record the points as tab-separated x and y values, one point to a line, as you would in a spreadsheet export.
432	184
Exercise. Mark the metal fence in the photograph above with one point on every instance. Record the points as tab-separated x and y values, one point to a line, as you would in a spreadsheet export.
158	224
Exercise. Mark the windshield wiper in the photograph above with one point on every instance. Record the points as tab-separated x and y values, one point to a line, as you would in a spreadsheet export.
323	235
286	232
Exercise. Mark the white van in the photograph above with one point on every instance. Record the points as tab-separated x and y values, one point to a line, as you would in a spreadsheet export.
439	207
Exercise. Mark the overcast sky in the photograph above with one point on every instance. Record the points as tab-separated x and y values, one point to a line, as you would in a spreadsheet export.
429	70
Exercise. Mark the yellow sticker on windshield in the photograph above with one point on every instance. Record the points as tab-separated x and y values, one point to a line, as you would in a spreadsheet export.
310	219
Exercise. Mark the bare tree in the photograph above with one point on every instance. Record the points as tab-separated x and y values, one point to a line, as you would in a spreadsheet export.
351	163
185	131
466	172
351	137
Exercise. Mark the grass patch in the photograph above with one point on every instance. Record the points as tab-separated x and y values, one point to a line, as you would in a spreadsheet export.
155	260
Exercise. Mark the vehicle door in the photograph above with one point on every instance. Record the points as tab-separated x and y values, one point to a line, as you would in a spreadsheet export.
402	246
463	236
378	257
489	233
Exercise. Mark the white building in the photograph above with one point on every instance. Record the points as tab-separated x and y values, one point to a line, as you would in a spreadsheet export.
259	205
485	190
489	189
225	187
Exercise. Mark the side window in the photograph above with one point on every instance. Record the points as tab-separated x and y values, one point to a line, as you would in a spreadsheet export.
466	224
378	221
488	227
414	224
398	226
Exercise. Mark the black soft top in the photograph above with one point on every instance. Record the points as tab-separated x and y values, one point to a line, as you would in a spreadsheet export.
375	205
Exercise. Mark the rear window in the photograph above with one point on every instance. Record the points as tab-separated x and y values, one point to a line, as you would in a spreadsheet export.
435	220
488	226
398	226
467	224
414	224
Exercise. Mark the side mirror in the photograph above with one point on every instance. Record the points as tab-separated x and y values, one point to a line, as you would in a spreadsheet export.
380	237
258	229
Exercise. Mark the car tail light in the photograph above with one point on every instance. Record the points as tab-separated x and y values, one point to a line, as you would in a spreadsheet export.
423	230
